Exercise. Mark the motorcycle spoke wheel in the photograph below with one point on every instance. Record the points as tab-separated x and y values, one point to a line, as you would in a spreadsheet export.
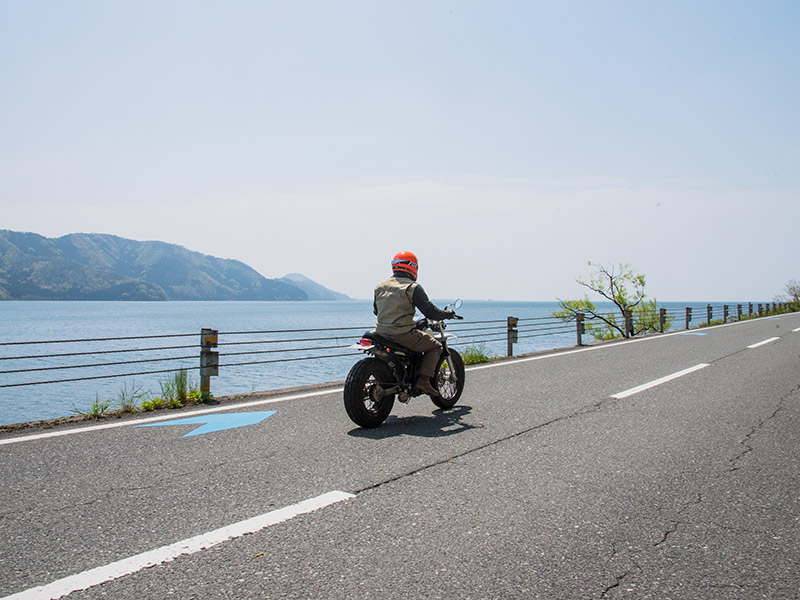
448	380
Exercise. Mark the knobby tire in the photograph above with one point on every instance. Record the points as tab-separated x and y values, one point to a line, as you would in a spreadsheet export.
362	391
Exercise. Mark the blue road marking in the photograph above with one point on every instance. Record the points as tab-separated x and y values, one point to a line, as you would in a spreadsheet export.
211	423
694	333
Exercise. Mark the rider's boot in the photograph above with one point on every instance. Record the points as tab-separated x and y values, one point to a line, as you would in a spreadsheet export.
424	385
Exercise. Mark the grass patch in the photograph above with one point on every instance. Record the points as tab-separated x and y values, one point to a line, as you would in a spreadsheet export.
129	398
177	390
473	355
154	404
97	410
712	323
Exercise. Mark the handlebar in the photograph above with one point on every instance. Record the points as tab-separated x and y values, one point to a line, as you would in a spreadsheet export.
426	323
454	307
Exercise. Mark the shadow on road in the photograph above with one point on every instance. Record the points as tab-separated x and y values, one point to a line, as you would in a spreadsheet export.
441	423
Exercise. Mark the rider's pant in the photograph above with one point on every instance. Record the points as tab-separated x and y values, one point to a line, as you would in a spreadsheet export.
420	341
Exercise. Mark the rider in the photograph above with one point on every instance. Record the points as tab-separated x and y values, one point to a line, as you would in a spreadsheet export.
394	304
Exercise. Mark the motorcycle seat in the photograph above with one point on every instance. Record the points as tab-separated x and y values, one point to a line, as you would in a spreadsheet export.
385	341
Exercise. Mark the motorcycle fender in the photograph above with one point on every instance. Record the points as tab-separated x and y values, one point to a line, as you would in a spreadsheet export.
360	346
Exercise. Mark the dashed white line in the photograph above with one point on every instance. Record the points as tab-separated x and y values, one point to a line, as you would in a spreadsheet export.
769	341
654	383
133	564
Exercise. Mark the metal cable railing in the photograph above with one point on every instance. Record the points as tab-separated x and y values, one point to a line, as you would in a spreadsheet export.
466	335
68	354
107	339
29	363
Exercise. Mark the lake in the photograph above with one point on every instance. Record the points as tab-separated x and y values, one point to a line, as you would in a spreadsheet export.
243	341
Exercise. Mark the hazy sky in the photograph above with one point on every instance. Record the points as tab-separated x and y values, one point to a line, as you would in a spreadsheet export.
506	143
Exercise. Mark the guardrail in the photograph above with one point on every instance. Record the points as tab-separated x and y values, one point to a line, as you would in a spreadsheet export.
509	330
227	350
294	344
512	329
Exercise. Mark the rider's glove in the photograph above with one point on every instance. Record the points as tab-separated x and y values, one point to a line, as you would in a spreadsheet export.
450	313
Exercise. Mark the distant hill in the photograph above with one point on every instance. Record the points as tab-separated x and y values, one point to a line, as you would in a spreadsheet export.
313	290
83	266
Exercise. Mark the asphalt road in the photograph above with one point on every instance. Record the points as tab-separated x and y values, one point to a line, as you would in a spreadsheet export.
557	476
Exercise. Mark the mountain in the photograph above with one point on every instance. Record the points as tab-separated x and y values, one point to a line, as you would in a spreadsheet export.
83	266
313	290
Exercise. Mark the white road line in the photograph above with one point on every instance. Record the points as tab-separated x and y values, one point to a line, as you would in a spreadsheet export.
656	382
795	330
178	415
769	341
133	564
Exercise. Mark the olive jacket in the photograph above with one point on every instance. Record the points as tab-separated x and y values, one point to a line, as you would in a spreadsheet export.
396	300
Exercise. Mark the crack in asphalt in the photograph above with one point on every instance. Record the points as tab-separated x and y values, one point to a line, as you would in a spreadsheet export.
619	579
677	523
584	410
618	582
629	554
736	460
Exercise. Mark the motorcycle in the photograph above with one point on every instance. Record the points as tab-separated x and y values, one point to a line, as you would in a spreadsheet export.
391	371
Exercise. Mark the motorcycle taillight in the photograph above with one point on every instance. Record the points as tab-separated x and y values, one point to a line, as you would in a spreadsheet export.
365	342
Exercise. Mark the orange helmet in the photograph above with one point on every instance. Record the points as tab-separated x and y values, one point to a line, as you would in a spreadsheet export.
406	262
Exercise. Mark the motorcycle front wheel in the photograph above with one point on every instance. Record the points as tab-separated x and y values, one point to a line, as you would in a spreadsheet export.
448	380
365	399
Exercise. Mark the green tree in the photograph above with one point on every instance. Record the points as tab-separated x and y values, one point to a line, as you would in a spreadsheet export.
623	287
792	296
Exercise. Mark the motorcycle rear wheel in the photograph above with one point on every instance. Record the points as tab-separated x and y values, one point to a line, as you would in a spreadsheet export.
364	399
448	380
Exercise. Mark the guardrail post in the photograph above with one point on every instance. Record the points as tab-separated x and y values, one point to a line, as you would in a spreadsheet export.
580	327
759	309
749	308
628	323
709	312
738	312
662	319
209	360
511	334
688	316
724	313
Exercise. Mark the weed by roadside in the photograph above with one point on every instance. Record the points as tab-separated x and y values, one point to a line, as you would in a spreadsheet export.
177	390
472	355
713	323
130	397
154	404
98	409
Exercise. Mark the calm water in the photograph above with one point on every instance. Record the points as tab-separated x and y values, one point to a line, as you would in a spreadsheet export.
51	321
